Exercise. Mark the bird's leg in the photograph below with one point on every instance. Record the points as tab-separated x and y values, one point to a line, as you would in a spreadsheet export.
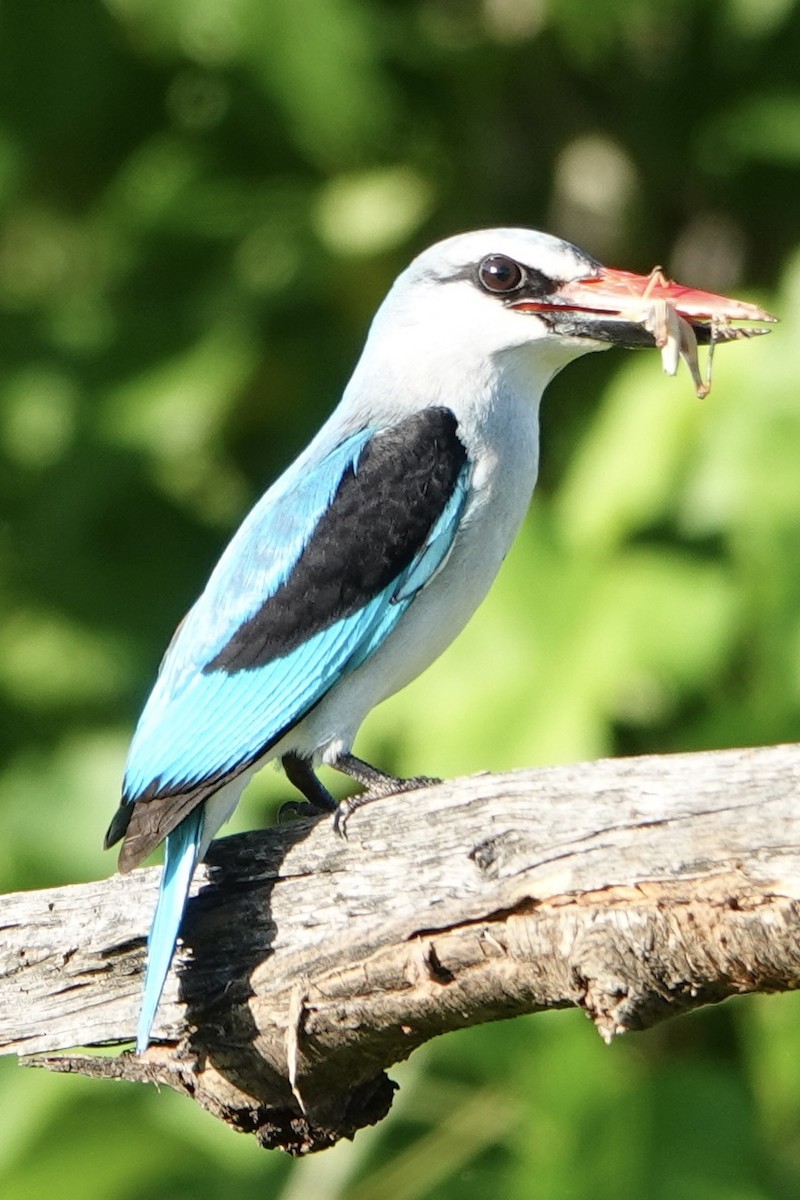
299	772
376	784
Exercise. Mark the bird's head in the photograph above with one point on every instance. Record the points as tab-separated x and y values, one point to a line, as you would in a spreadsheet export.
500	294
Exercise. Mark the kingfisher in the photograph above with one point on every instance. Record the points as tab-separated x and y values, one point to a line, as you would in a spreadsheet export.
366	558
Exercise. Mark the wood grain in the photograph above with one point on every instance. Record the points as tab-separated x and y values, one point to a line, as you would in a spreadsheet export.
633	888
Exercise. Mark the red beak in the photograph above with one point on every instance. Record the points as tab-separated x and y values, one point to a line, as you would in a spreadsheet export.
617	291
612	305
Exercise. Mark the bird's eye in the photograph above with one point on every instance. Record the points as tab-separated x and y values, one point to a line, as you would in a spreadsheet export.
500	274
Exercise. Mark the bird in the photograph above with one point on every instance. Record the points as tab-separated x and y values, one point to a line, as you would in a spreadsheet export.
369	554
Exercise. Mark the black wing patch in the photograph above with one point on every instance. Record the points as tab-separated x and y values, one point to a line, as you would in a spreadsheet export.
379	519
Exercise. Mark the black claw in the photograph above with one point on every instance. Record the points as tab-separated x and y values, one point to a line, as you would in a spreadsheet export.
343	810
300	810
377	786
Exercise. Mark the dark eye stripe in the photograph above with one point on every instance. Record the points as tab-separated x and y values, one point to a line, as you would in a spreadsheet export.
538	284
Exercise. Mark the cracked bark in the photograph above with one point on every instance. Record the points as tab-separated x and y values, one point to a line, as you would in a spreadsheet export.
635	889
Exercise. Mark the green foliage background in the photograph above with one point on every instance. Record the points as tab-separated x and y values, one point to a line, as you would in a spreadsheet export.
202	202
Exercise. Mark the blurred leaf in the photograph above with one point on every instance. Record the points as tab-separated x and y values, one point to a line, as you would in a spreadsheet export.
373	211
49	662
625	472
759	129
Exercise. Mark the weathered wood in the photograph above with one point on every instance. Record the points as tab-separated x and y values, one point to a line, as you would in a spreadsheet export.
633	888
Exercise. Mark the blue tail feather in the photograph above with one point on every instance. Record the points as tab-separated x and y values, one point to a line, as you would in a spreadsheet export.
180	860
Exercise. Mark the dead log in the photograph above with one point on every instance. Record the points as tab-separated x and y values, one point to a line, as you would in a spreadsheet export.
635	889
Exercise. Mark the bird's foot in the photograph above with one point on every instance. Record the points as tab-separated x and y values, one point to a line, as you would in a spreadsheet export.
300	810
377	785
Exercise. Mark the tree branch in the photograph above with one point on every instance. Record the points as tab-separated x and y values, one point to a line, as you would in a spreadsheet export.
634	888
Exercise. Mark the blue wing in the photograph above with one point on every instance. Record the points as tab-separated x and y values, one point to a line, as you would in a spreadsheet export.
203	722
188	729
